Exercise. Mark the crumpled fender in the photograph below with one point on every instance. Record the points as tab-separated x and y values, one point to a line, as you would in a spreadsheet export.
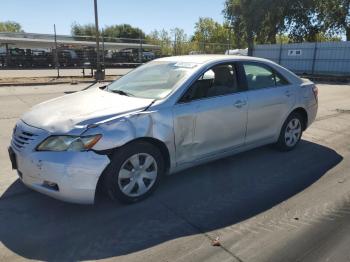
119	131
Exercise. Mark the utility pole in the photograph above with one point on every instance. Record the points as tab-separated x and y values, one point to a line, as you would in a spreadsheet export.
7	58
140	49
56	53
230	38
103	48
99	75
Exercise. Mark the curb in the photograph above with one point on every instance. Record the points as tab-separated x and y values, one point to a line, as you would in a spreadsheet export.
68	81
51	83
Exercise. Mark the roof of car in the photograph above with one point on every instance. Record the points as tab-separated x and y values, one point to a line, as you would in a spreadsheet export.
206	59
202	59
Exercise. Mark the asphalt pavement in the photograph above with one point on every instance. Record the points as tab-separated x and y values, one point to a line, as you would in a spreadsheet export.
261	205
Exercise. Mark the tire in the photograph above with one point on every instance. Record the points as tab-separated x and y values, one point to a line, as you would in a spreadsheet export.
291	132
127	179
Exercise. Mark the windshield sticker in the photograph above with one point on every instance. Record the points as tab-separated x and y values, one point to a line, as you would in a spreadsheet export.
186	65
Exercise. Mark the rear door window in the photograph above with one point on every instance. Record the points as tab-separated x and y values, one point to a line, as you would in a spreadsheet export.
260	76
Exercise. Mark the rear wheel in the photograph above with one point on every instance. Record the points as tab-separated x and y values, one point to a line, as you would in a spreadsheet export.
134	172
291	132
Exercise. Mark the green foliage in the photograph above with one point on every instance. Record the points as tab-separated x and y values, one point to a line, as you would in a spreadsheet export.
111	32
207	30
323	37
320	37
282	39
212	36
173	42
209	37
303	20
180	43
161	38
246	18
83	30
124	31
272	21
261	21
248	22
336	16
10	26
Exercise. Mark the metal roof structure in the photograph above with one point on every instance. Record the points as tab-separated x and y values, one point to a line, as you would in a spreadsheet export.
32	41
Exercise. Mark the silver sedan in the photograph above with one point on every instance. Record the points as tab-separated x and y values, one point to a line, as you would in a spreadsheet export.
167	115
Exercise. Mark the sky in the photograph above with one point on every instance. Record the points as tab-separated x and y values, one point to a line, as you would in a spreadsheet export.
38	16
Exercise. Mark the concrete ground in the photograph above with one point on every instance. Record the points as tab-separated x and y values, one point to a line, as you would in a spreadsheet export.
263	205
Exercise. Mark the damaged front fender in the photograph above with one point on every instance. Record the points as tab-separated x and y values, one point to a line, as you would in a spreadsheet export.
145	124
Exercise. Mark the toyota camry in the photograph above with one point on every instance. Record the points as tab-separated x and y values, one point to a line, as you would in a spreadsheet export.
167	115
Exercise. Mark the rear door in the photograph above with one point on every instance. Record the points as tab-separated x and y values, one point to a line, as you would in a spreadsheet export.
270	98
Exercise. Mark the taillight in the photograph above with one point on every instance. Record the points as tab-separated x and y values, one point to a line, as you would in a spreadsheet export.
315	91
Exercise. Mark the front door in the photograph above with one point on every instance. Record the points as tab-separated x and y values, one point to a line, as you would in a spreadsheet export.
211	117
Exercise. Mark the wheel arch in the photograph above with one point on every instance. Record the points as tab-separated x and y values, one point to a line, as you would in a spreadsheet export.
153	141
157	143
302	111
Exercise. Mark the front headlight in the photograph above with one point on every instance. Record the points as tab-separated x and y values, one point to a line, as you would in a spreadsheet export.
68	143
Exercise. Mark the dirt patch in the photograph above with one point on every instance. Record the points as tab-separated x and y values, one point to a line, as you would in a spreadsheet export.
343	111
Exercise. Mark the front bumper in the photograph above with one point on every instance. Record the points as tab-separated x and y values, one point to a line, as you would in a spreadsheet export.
68	176
75	173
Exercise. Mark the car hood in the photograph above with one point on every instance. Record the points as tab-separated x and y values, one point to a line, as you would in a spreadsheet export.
62	114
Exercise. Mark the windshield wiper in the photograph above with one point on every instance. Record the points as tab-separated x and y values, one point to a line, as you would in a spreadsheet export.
120	92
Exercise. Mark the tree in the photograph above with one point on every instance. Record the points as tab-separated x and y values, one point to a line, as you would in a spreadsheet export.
83	30
282	39
257	20
209	32
273	22
336	16
303	21
161	38
112	32
180	41
246	17
10	26
124	31
261	21
321	37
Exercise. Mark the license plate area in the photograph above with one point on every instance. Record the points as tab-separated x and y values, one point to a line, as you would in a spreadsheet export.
13	158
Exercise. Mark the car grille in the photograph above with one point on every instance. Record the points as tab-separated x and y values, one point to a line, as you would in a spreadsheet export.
21	138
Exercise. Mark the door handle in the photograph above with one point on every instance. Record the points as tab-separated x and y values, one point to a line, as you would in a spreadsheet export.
288	93
240	103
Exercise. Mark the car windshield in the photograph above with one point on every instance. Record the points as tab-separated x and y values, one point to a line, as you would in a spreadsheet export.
154	80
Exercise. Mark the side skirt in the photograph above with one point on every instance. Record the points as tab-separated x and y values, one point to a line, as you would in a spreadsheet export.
182	166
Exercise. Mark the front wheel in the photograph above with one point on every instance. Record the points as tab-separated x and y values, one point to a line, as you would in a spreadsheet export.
291	132
134	172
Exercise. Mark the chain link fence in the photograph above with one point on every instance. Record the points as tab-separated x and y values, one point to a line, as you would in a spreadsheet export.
24	50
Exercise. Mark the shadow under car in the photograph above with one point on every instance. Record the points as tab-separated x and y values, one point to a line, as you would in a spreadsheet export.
210	196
